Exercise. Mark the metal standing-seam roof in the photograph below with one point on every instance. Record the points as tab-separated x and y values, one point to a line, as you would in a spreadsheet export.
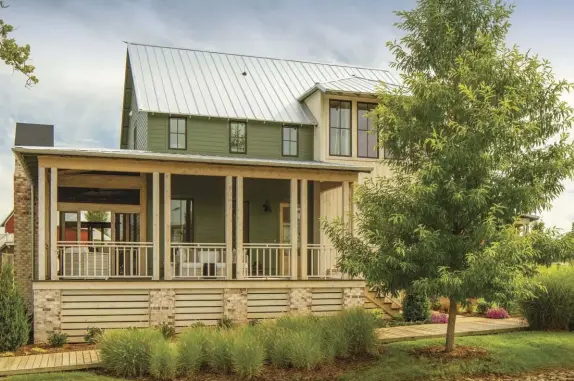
353	85
202	83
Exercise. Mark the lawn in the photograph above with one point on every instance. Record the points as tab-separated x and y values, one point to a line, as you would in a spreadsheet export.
508	353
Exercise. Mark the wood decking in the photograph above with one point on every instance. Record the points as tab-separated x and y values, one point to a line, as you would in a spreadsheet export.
49	362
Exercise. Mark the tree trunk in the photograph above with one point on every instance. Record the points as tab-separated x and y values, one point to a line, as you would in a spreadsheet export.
451	324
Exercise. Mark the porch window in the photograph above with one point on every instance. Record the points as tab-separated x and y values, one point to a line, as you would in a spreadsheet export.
366	132
290	141
177	133
238	137
339	128
181	220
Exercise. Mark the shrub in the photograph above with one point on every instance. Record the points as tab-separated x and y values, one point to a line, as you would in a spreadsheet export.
435	304
191	351
483	307
439	318
416	307
551	307
304	349
254	322
167	331
126	352
14	323
497	313
280	348
163	360
198	325
218	350
247	355
226	323
93	335
334	338
57	339
359	328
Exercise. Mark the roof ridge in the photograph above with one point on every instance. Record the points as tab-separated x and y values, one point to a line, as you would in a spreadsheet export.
349	77
269	58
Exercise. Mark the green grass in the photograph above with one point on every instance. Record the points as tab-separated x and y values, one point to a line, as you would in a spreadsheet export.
508	353
71	376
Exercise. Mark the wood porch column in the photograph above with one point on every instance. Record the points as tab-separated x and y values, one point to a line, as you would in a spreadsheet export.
54	224
346	202
229	227
167	272
239	228
42	223
155	228
304	220
293	221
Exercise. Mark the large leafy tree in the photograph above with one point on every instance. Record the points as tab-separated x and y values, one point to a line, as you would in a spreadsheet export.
14	55
478	135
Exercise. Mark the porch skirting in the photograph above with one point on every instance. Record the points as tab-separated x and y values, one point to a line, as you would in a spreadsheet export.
74	306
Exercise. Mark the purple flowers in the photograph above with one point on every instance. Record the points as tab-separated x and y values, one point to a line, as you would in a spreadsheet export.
439	318
497	313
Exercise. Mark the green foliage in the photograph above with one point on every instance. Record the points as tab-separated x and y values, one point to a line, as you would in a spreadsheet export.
280	349
551	305
483	307
191	348
226	323
247	355
167	331
218	350
126	352
94	216
435	304
14	322
416	307
305	349
359	328
93	335
335	343
163	360
57	339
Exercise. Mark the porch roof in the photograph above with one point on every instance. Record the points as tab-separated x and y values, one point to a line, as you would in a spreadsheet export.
28	156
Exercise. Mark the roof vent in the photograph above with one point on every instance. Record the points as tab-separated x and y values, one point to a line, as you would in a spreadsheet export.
38	135
244	73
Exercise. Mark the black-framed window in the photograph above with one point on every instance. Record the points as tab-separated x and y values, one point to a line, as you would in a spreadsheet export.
367	146
290	139
182	220
339	128
177	133
238	137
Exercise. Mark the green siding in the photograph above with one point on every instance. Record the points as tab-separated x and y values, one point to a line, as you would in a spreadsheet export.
211	137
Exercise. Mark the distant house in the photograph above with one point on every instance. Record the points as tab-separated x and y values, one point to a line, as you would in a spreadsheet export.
7	240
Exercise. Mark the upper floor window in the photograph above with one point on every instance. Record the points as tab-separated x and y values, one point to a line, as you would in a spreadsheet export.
339	128
366	132
177	133
290	141
238	137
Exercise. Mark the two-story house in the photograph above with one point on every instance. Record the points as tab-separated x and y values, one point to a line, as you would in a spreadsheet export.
212	205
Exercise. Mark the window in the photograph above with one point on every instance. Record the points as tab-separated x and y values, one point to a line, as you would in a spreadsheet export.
290	141
366	132
340	128
135	136
238	137
177	133
182	220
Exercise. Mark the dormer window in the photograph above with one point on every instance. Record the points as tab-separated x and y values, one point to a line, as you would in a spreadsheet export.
339	128
177	133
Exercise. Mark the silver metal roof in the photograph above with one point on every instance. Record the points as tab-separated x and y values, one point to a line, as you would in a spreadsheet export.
202	83
352	84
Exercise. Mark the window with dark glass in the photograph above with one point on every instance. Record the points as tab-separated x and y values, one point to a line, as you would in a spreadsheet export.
177	133
238	137
135	136
366	132
181	220
339	128
290	141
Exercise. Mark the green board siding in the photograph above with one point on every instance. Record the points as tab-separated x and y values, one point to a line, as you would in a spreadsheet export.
211	137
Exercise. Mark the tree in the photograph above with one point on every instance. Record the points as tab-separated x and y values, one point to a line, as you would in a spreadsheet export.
96	216
14	323
478	135
13	54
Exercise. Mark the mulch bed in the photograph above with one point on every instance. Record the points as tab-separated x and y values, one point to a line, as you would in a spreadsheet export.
27	350
460	352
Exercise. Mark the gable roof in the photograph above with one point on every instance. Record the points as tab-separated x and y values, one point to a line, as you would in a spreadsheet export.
348	85
203	83
3	224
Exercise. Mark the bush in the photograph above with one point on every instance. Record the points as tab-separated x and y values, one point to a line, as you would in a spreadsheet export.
126	352
14	323
191	351
57	339
439	318
247	355
359	328
218	350
280	348
416	307
551	307
93	335
226	323
497	313
435	304
483	307
167	331
304	349
163	360
334	338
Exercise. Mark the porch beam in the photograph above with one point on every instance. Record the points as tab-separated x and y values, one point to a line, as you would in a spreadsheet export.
229	227
101	181
54	224
239	227
167	226
155	229
293	225
304	227
93	207
42	223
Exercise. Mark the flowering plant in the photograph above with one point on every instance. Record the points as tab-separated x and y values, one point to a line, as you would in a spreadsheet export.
497	313
439	318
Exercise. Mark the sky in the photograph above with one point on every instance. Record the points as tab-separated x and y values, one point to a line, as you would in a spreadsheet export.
79	54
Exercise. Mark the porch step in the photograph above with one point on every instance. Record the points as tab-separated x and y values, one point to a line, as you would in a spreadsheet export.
387	304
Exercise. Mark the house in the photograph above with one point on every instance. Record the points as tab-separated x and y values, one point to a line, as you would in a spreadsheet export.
211	206
7	240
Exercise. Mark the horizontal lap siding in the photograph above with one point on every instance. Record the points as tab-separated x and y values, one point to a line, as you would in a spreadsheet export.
327	300
198	306
267	304
106	309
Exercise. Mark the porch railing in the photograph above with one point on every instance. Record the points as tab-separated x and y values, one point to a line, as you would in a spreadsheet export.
323	262
104	259
198	260
267	260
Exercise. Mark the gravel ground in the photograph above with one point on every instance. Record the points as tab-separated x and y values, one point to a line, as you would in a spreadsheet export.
554	375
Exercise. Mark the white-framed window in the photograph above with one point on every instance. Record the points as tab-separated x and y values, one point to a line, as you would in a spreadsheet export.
177	133
290	141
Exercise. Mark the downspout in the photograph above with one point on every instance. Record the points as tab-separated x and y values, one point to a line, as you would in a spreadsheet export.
32	230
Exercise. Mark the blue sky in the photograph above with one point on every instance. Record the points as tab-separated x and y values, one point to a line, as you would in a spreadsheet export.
80	57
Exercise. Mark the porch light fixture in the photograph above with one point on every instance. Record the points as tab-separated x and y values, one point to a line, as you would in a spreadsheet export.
266	207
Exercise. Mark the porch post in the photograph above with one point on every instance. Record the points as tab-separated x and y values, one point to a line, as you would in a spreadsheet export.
239	228
54	224
346	204
229	227
293	221
42	223
304	220
155	229
167	226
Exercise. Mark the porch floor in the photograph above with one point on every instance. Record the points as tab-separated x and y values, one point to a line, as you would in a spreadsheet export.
57	362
